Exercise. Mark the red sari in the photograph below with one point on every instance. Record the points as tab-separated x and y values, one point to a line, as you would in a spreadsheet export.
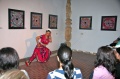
42	53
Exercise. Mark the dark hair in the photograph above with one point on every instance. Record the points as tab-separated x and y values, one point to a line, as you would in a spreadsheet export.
65	54
8	58
118	50
106	58
48	31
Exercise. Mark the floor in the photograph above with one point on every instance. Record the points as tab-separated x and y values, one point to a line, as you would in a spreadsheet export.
82	60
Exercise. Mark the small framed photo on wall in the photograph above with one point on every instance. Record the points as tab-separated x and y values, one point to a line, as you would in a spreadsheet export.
53	21
85	22
108	23
16	19
36	20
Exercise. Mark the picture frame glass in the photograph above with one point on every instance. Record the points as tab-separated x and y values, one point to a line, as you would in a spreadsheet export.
85	22
53	21
108	23
36	20
16	19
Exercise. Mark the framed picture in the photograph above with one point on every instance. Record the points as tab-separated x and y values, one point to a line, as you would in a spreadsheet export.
85	22
108	23
53	21
16	19
36	20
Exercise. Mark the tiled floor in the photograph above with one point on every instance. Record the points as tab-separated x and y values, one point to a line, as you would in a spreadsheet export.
81	60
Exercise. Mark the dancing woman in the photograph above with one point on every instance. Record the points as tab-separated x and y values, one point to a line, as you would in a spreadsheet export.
41	52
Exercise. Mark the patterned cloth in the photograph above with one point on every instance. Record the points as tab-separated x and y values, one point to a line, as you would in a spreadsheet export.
59	74
42	53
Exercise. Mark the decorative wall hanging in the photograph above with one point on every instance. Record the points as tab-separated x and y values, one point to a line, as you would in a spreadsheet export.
85	22
36	20
108	23
53	21
16	19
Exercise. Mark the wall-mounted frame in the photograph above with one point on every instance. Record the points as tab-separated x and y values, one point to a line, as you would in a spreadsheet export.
53	21
36	20
108	23
85	22
16	19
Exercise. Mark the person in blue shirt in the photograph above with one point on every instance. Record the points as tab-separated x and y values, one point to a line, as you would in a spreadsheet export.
66	68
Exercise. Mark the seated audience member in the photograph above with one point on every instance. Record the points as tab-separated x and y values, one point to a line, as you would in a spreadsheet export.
9	62
115	42
104	64
66	69
117	54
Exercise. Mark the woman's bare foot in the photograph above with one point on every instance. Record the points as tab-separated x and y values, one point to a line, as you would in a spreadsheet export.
27	63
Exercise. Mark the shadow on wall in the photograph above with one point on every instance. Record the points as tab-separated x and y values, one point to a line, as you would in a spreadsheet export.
30	45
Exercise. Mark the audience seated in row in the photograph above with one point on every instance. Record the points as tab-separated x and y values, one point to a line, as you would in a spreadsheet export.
106	66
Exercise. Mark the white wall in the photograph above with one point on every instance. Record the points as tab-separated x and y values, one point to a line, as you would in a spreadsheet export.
90	40
23	40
